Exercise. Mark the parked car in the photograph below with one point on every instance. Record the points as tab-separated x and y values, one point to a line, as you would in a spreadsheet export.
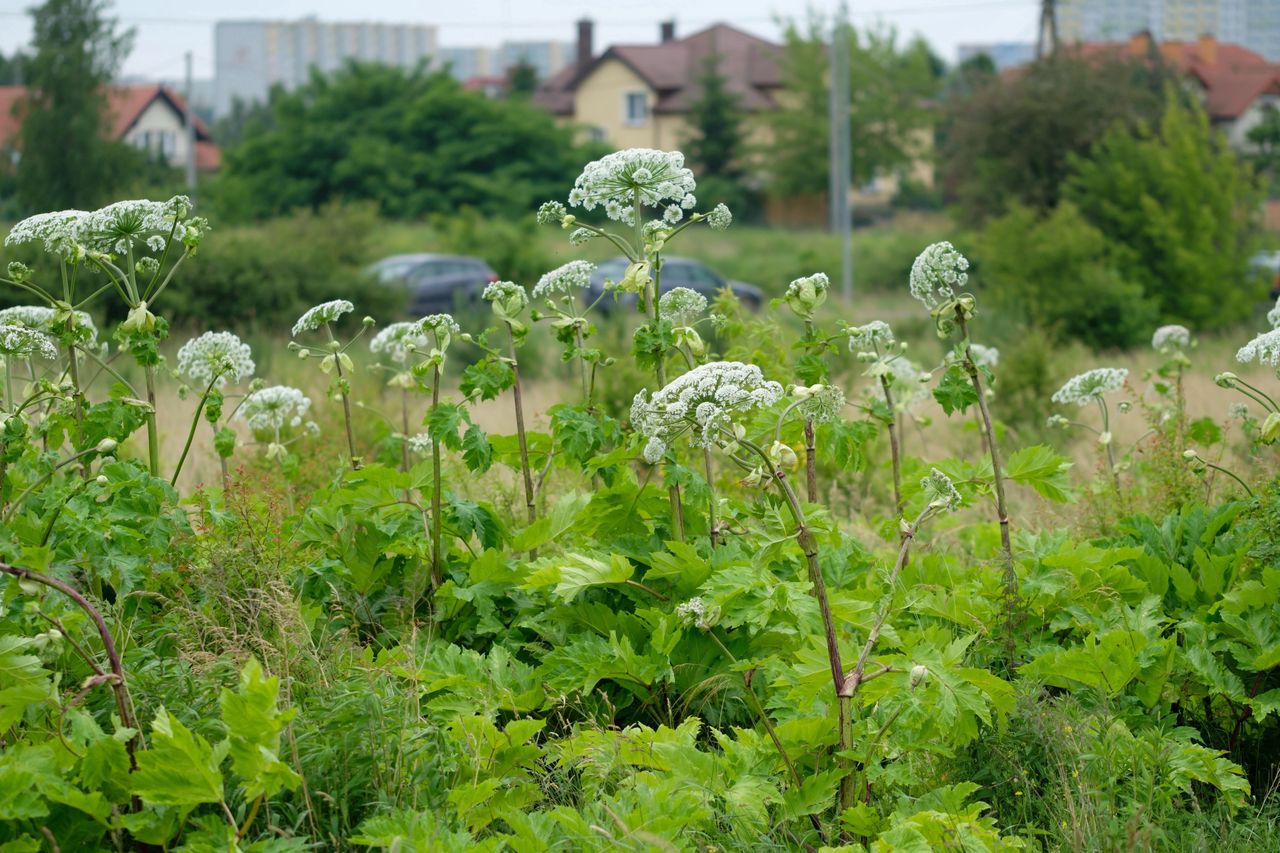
435	282
676	272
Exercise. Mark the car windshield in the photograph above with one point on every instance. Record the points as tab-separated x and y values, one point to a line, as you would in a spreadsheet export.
389	271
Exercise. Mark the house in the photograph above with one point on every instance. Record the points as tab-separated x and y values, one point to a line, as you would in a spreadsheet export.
1232	81
151	117
639	95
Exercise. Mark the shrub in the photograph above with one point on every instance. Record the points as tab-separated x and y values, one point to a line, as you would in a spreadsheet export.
1055	272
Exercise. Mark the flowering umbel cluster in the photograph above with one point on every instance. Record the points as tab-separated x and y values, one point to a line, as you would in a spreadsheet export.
564	280
682	306
616	181
58	233
1264	349
397	340
818	403
215	357
50	321
710	398
322	315
121	225
872	339
24	342
1091	385
1170	339
274	408
507	298
938	273
720	218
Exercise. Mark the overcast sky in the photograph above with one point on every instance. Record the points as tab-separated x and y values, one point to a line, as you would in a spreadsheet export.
166	30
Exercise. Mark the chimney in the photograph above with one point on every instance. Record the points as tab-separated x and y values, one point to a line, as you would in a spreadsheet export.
1139	44
1207	49
667	31
585	48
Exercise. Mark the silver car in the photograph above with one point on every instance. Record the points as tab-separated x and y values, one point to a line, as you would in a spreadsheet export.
435	282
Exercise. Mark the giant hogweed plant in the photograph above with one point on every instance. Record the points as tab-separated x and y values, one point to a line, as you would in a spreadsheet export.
590	675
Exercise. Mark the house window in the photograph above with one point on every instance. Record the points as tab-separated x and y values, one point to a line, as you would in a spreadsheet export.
635	107
596	134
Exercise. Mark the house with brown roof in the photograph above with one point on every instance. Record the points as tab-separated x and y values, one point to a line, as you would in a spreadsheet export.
1233	82
151	117
639	95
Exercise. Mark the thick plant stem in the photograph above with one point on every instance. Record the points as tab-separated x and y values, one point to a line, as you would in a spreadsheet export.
531	507
153	436
810	462
118	685
711	504
582	364
997	467
404	427
895	450
437	573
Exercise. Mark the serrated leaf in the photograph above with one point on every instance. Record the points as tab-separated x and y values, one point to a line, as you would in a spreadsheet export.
477	452
1043	470
550	527
254	723
180	768
955	392
572	573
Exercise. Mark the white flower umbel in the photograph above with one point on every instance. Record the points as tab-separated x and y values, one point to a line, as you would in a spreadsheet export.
682	306
58	233
564	280
22	342
710	399
1273	316
1264	349
616	181
873	338
1091	385
982	356
322	314
119	225
1168	339
442	326
215	357
719	218
938	273
274	409
46	320
818	403
397	340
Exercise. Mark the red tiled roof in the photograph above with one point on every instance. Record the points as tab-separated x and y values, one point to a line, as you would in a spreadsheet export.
125	104
672	69
1233	77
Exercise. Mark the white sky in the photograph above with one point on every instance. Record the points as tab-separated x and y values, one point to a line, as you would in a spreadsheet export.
166	30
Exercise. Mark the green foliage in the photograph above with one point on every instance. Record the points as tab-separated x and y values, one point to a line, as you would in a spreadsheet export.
414	142
888	84
1059	273
68	158
1179	208
1010	140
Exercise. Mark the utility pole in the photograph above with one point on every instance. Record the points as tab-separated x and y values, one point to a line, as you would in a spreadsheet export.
191	130
1047	36
840	151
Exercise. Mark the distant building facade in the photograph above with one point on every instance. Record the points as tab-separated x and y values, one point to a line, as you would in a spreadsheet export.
546	58
1255	24
250	57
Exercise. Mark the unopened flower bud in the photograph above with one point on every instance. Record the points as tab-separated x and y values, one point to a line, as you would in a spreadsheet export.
102	480
919	673
107	446
782	455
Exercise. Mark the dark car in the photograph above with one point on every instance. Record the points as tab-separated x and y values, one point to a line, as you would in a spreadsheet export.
676	272
435	282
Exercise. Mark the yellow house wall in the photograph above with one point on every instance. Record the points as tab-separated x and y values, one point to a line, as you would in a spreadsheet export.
600	103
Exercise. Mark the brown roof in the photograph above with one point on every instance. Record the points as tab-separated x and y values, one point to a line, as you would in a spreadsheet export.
125	104
1233	77
672	69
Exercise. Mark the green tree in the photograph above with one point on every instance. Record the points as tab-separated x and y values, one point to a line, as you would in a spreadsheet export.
1054	272
889	90
714	143
1009	139
414	142
1180	209
1265	139
67	159
522	80
13	69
